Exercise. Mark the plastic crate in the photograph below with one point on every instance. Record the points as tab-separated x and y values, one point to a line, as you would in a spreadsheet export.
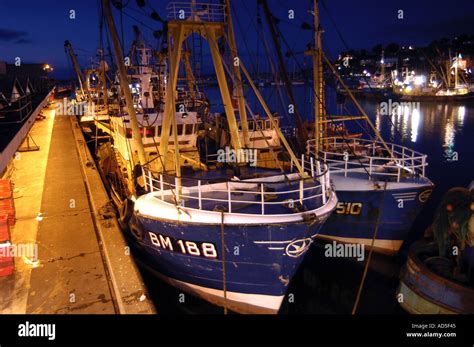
4	229
6	190
7	207
7	263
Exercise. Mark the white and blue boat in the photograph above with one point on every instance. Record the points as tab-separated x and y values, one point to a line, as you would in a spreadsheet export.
381	186
371	181
233	230
234	242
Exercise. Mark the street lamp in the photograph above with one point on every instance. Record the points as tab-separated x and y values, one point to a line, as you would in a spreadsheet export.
47	68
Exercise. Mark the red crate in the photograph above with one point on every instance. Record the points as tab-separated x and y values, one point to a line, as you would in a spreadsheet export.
6	190
7	264
4	228
7	208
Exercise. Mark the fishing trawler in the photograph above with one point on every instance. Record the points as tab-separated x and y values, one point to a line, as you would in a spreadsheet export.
228	230
372	86
381	186
442	86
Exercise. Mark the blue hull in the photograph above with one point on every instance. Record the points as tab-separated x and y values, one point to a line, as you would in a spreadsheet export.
259	260
355	218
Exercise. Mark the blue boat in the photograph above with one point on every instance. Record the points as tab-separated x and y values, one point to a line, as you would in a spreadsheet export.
381	186
225	225
236	243
370	182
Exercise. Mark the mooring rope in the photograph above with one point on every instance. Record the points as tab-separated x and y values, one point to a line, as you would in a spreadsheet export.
361	286
224	275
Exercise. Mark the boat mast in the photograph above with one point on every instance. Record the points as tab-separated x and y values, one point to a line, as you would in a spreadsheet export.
124	83
70	51
190	78
456	77
448	70
238	89
302	133
382	68
175	38
357	104
103	78
208	23
318	81
318	57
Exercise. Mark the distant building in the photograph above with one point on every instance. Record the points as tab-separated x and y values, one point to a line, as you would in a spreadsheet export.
3	68
28	70
366	62
389	61
33	74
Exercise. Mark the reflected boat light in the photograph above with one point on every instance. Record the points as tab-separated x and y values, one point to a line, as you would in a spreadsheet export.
415	122
461	114
449	135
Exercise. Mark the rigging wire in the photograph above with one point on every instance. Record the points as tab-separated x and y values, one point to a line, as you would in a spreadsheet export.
139	21
316	96
314	92
347	48
262	37
366	267
239	25
323	103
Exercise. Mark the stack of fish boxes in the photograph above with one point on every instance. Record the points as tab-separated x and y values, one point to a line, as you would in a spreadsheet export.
7	219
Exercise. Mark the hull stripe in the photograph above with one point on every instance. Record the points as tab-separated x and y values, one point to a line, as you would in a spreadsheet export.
384	246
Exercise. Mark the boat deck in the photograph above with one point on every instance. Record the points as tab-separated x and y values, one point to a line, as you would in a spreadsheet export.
221	191
249	203
358	179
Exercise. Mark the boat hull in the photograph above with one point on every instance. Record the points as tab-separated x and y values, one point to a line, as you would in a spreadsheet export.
433	98
355	218
260	260
421	291
371	94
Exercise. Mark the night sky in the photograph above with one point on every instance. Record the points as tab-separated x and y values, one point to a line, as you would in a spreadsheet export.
36	30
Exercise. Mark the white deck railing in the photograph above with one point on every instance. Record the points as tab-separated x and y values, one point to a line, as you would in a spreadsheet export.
346	155
193	193
204	11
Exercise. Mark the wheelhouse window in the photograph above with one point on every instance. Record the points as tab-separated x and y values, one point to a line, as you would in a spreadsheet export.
147	132
144	132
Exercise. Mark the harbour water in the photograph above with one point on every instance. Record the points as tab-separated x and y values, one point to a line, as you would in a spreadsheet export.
329	285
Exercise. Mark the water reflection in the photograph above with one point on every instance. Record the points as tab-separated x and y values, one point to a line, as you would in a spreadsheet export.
406	114
449	138
430	127
432	121
461	114
415	122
